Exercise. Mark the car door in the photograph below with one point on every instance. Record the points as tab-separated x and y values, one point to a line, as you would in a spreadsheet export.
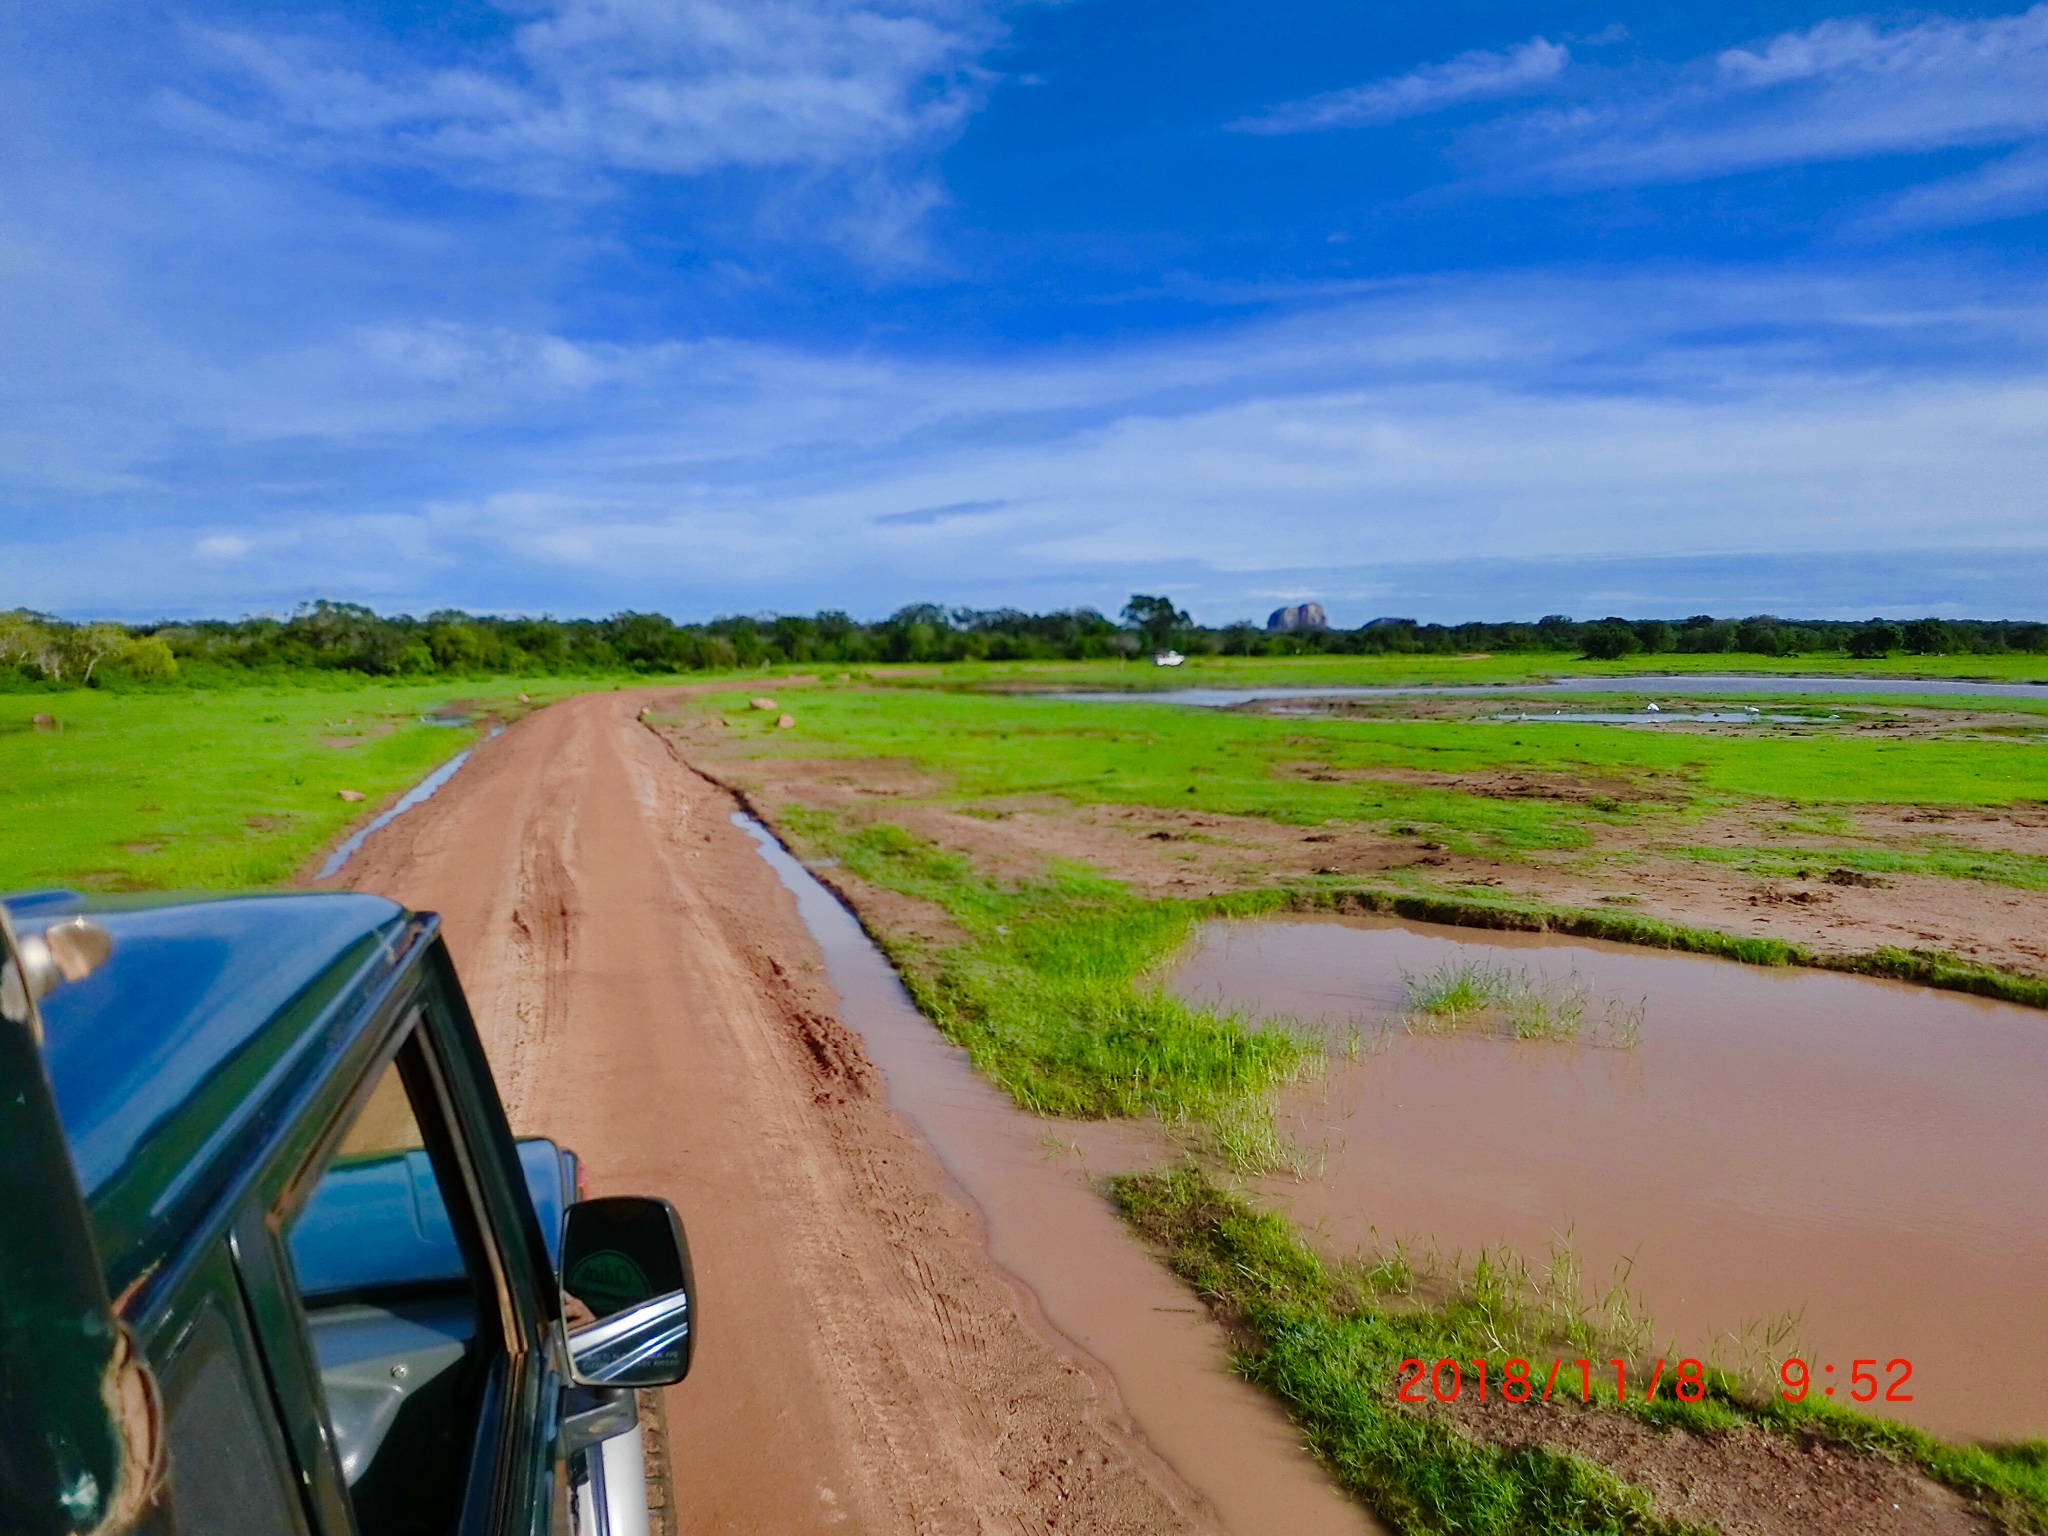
394	1289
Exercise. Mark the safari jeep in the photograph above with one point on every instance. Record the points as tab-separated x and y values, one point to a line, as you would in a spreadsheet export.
271	1263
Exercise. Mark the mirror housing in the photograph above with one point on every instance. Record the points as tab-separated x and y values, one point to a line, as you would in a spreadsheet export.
626	1261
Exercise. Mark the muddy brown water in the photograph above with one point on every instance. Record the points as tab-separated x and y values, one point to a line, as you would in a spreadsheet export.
1866	1156
1095	1288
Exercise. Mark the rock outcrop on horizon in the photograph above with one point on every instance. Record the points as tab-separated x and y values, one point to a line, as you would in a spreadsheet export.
1299	616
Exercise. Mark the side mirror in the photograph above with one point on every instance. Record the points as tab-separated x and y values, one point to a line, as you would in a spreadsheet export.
625	1259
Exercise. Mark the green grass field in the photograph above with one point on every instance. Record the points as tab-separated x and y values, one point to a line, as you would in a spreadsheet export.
178	789
1398	670
210	788
989	746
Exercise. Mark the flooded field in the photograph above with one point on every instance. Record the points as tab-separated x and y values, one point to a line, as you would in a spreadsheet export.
1868	1158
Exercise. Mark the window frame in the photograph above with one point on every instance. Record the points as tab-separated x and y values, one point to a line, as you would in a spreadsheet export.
212	1287
416	1041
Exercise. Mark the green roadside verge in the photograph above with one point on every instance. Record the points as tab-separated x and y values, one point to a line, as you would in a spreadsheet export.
203	789
1049	989
1044	992
1317	1339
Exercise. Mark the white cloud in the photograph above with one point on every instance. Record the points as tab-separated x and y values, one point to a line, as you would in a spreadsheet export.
663	87
1840	90
2007	187
1535	419
1472	76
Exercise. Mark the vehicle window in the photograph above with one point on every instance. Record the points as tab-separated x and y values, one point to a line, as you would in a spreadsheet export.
398	1295
229	1471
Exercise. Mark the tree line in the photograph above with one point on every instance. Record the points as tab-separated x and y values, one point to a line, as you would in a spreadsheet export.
37	650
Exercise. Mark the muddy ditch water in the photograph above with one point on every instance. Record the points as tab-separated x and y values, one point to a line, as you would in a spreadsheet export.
1095	1289
419	794
1868	1157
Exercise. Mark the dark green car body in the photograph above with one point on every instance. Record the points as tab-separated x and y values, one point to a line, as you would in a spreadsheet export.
286	1272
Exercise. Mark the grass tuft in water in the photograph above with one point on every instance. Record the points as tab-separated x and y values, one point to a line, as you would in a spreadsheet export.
1516	1002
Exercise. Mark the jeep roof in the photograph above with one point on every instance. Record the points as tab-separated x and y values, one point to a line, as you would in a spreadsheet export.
172	1059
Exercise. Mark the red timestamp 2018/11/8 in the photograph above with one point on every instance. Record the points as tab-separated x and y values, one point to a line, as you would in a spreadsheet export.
1517	1382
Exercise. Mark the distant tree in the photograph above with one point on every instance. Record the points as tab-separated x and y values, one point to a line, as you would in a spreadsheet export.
647	642
341	635
1156	619
1608	639
148	660
453	643
83	647
744	636
1759	636
23	641
1705	635
1929	637
329	635
1244	638
1655	634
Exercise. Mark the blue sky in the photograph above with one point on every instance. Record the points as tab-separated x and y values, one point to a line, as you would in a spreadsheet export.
1468	310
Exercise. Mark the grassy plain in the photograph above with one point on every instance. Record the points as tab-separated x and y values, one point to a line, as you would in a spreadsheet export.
992	745
1395	670
1767	843
207	789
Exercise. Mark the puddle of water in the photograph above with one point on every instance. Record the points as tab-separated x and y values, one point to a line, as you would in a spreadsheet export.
1707	683
417	795
1050	1230
1869	1155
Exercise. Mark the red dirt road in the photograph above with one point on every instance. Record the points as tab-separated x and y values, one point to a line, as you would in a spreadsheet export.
649	997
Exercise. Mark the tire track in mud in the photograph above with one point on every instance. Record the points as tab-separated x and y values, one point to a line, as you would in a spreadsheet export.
648	996
541	922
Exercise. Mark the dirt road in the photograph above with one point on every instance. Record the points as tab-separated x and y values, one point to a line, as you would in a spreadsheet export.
649	997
